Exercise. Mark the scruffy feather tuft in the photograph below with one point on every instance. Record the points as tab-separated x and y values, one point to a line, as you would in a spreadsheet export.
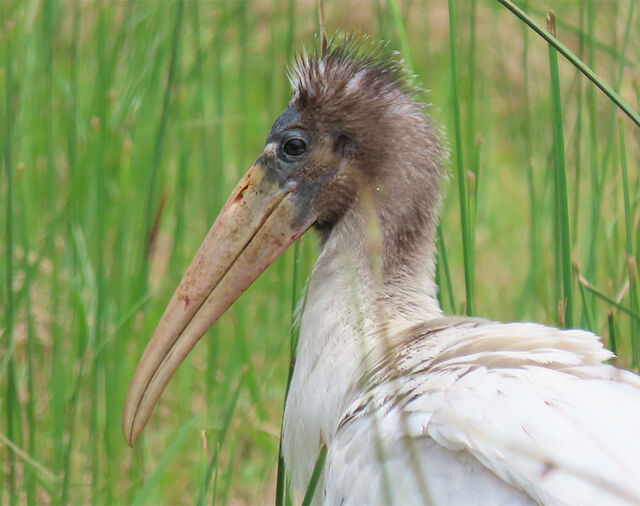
354	69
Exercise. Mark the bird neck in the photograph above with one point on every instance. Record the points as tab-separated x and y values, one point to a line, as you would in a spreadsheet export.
386	264
356	296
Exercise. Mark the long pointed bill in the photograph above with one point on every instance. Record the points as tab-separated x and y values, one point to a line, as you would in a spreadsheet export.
257	223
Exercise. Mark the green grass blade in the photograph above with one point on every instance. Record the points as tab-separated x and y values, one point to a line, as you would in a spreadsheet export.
32	428
577	62
201	106
73	407
281	471
213	463
291	30
315	476
151	482
630	260
288	498
472	83
159	142
401	34
612	333
442	256
11	400
56	387
241	340
562	203
243	6
460	172
577	144
593	153
473	142
600	176
43	473
218	183
226	486
610	300
103	491
381	21
219	112
530	285
579	32
586	310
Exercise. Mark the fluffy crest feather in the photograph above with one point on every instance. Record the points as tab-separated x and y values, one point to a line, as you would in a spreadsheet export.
353	72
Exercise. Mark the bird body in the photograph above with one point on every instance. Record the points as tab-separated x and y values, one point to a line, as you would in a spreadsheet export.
494	413
414	407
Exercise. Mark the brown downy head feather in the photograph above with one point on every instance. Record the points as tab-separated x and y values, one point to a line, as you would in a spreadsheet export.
363	115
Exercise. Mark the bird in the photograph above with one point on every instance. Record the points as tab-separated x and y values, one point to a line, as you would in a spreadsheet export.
413	406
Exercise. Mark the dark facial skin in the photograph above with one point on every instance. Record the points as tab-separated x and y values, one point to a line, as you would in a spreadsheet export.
292	145
314	161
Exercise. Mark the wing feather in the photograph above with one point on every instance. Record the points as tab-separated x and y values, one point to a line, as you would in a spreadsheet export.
490	413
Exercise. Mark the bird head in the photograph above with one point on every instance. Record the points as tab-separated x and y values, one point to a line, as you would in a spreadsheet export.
353	127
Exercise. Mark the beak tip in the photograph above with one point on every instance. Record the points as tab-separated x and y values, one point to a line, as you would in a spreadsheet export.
128	426
126	433
130	436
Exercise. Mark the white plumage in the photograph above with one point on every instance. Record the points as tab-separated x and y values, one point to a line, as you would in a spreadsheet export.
494	413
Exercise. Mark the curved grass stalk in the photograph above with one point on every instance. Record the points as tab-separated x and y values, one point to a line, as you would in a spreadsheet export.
315	477
562	204
575	61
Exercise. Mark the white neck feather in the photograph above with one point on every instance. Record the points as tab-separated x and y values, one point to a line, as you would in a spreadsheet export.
342	324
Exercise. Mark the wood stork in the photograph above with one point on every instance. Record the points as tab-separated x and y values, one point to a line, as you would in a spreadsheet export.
414	406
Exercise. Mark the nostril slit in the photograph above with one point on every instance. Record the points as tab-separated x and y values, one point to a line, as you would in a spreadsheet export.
241	193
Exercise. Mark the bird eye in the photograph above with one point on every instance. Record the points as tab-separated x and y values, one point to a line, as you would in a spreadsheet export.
294	147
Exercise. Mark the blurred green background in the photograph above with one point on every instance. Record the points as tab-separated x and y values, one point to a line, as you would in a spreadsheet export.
124	125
